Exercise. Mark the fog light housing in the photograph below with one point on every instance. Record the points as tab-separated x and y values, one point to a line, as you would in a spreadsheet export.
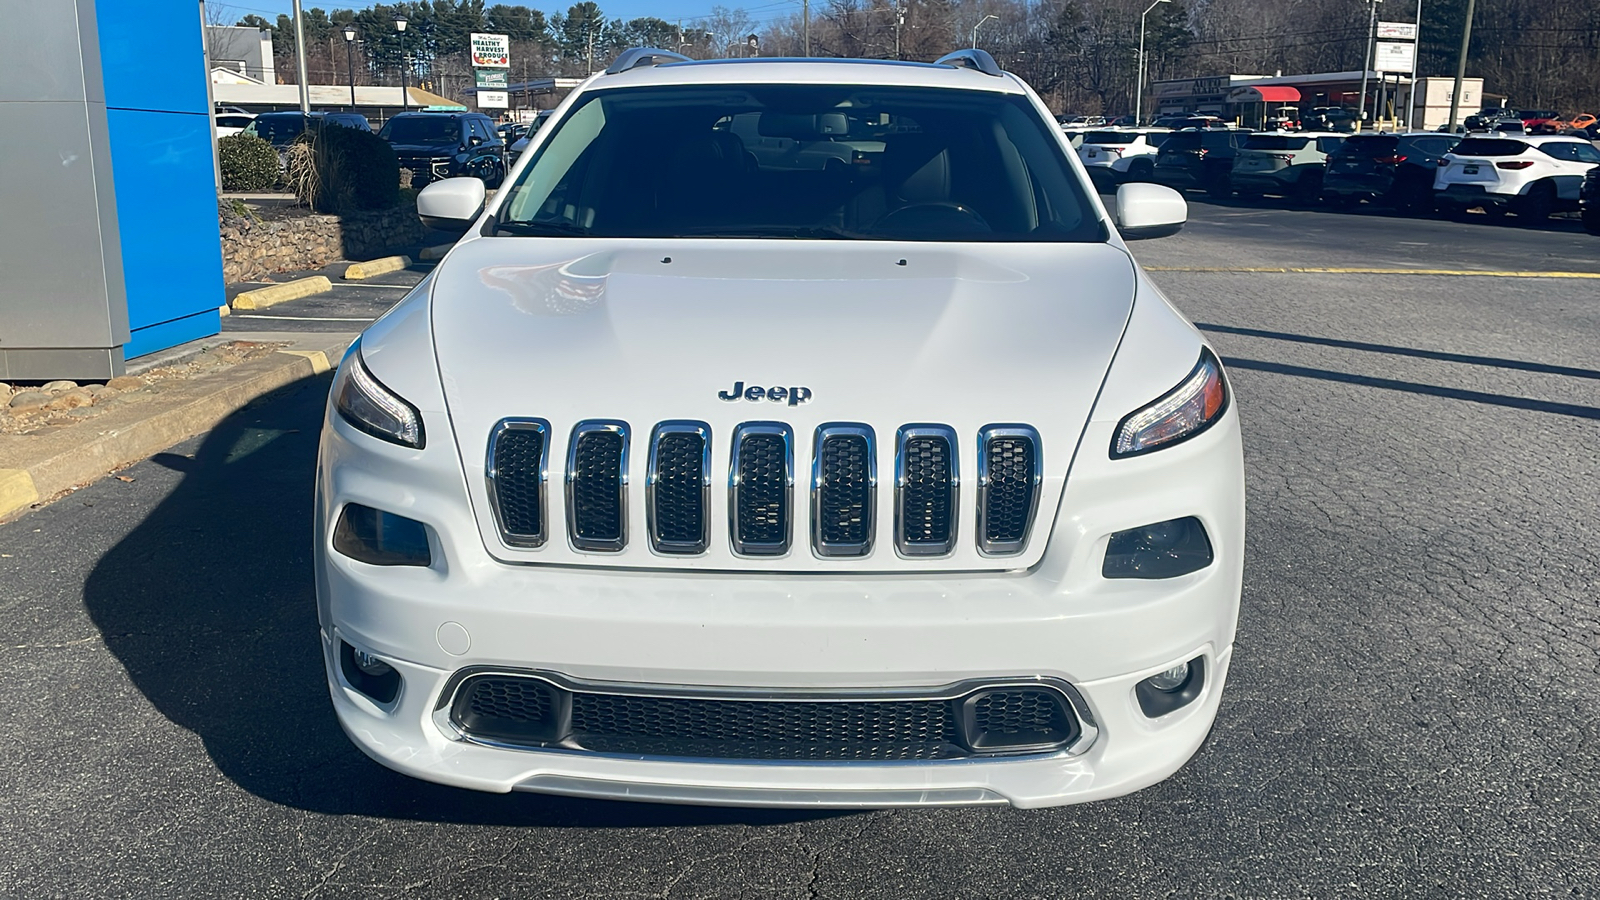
1159	550
380	538
368	674
1171	689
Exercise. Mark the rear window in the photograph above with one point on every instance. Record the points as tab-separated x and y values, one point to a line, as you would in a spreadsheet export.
1109	137
1489	147
1275	142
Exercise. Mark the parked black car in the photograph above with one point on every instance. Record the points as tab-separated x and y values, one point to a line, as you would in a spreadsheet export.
1200	159
1395	170
1589	201
281	128
435	145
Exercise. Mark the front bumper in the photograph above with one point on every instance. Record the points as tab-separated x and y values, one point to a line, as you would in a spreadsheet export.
739	631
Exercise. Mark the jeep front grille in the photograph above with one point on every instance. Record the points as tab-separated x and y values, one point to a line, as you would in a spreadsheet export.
678	488
844	490
1008	487
927	495
597	486
517	452
760	482
761	488
538	711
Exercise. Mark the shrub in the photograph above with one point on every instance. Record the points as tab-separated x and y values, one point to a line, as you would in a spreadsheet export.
339	170
248	163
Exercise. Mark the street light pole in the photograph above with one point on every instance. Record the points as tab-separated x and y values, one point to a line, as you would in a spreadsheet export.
1372	30
980	25
405	88
805	16
1138	98
350	61
299	60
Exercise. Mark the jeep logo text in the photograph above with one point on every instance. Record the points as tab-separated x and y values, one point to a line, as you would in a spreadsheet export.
794	395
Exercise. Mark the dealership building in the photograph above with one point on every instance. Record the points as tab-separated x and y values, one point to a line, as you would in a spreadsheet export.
1247	99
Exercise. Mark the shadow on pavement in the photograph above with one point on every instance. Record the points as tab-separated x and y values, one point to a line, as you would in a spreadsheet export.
209	605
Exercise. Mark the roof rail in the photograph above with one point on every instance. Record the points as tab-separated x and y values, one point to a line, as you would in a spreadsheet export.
644	56
972	59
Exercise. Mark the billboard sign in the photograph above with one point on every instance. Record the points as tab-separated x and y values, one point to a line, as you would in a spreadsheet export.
1398	31
1394	56
493	100
491	51
493	79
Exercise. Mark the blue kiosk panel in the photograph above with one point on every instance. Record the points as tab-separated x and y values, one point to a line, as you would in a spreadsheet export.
153	59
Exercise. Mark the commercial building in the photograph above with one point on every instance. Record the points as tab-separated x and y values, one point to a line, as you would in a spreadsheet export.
1247	99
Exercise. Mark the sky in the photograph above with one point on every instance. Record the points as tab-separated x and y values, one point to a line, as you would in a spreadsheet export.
760	10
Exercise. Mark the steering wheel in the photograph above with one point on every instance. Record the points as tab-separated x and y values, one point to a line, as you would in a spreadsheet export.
936	215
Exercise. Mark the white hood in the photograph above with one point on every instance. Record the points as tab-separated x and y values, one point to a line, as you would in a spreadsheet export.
880	333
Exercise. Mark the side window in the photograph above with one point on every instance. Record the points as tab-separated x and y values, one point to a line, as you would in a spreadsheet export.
1216	141
1329	145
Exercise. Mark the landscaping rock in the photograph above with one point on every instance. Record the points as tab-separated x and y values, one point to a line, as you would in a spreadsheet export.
72	399
126	383
29	401
56	387
100	390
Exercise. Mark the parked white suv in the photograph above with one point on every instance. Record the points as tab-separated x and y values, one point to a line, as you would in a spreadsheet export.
1288	164
1123	154
692	476
1531	176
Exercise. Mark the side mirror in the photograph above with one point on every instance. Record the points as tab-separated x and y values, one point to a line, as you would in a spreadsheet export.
1149	211
475	140
451	205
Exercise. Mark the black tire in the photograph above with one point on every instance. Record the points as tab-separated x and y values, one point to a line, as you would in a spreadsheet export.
1591	220
1535	207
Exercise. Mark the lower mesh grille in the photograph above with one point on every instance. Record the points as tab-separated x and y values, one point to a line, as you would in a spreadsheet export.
532	712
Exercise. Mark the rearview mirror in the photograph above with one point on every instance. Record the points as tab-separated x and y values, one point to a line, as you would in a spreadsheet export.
451	205
1149	211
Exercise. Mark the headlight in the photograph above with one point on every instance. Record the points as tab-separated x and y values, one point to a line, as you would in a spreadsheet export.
365	403
1178	415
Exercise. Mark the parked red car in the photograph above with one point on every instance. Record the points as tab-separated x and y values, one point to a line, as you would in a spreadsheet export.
1542	121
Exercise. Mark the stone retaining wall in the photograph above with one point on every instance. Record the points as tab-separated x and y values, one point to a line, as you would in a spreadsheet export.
252	249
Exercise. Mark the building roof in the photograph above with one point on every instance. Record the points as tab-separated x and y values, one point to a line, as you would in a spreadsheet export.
322	95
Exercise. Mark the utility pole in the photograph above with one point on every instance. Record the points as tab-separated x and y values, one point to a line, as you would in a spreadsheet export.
1461	66
299	59
588	35
1372	31
1138	97
1416	51
805	16
899	20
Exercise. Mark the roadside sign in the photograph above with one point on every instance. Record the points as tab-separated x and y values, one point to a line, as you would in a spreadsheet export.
494	79
1400	31
493	100
1394	56
491	51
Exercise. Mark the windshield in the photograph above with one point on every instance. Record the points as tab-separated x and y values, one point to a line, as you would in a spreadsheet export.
802	161
1275	142
278	130
422	130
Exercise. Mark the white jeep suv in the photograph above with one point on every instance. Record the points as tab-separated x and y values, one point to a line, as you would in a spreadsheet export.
1123	154
694	476
1531	176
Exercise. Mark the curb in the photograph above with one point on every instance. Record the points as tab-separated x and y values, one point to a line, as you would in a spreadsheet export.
261	298
35	468
380	266
437	251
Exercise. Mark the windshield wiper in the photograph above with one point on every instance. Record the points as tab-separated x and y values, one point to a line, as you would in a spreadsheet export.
541	229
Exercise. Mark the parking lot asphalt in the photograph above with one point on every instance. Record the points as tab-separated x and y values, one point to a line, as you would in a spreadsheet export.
1412	710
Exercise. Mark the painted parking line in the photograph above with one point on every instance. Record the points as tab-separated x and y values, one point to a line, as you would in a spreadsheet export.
1328	270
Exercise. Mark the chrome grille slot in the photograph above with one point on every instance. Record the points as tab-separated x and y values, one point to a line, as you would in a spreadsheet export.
678	488
844	485
1010	471
516	468
927	490
761	489
597	486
